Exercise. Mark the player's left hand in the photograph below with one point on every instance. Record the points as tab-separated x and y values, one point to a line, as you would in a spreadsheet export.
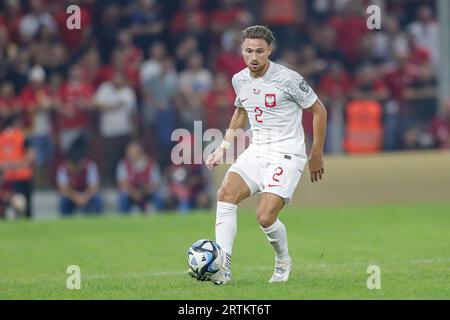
316	168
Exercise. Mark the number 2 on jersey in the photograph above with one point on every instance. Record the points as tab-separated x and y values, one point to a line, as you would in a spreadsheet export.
258	114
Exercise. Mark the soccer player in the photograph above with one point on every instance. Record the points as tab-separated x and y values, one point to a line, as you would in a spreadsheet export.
272	98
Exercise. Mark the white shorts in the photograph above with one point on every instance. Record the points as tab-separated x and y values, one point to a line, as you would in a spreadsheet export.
277	173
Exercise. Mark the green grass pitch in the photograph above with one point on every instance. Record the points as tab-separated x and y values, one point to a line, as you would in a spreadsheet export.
144	257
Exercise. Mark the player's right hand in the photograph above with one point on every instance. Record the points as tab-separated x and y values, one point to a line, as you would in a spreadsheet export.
215	158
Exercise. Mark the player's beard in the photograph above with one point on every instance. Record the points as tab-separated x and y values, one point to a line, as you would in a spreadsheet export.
257	69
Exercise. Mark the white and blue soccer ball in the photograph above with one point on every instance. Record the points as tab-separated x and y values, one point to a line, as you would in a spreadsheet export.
205	257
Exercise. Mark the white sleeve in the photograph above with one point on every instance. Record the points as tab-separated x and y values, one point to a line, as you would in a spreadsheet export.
102	93
237	102
298	90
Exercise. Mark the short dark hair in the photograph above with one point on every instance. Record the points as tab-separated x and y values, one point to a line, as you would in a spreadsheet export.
258	32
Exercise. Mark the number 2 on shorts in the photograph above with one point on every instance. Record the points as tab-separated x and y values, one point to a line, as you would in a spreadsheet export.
278	172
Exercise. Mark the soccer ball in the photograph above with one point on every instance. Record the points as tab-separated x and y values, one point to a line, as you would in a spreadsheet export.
205	257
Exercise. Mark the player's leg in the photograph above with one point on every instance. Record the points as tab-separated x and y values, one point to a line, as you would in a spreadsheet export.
231	193
280	180
267	212
233	190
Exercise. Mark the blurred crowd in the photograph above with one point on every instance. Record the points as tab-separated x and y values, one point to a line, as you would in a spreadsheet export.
138	69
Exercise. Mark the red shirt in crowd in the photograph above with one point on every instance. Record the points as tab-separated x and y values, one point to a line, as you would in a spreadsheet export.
10	104
350	31
219	108
397	80
336	85
230	63
139	177
131	59
30	99
74	98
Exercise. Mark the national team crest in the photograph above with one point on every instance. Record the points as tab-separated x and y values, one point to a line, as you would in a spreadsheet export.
270	100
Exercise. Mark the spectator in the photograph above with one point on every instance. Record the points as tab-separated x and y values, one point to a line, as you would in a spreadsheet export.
138	178
187	182
16	160
334	88
188	187
19	68
158	108
153	67
147	22
93	71
78	182
130	58
37	17
389	41
420	108
187	46
219	101
324	38
229	60
350	27
12	18
41	49
194	83
75	98
37	103
106	28
426	32
397	79
116	102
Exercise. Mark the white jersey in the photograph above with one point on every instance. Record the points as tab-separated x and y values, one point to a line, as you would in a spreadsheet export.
274	104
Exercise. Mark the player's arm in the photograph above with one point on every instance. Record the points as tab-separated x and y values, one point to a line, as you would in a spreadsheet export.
315	163
238	121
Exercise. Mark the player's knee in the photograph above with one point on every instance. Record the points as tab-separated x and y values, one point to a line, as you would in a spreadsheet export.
226	195
266	217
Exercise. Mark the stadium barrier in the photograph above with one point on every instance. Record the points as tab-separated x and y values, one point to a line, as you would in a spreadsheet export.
407	177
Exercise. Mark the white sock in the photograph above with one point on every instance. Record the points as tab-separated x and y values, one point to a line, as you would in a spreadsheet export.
276	234
226	225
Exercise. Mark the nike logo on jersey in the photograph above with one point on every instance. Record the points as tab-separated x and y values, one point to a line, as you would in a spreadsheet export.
243	100
273	185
